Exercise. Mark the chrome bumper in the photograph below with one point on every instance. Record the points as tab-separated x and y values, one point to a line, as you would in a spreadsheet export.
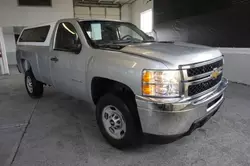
166	118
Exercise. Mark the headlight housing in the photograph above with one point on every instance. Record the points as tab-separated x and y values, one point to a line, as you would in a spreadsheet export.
159	83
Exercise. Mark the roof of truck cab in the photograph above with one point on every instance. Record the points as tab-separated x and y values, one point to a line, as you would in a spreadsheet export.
52	26
54	22
100	20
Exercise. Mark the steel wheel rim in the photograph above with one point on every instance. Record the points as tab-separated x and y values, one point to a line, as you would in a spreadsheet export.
29	84
113	122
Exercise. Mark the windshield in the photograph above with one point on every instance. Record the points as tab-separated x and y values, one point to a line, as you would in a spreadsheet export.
112	32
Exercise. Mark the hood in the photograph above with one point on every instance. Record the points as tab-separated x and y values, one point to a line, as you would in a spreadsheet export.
173	54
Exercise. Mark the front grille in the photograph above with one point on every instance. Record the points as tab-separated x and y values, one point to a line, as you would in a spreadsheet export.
204	69
201	87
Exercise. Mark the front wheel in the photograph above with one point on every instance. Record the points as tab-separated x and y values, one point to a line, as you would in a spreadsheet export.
116	122
33	87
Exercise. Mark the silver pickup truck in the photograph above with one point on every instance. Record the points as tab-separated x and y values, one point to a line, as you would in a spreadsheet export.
137	84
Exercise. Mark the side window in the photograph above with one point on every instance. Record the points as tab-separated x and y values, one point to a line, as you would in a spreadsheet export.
66	37
38	34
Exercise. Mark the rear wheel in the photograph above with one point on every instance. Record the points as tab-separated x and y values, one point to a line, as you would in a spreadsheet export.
116	121
33	87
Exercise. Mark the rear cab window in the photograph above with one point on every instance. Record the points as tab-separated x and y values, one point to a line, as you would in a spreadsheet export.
37	34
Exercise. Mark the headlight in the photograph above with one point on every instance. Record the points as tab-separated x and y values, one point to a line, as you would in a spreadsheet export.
161	83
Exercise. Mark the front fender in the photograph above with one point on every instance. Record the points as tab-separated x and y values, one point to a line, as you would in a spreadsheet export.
120	67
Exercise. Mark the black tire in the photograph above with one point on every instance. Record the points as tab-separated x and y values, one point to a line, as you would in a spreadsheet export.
37	86
133	132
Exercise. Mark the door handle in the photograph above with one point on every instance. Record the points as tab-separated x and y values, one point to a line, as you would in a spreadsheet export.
55	59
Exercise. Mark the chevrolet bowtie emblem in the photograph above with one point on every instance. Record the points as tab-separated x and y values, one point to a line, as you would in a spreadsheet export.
215	73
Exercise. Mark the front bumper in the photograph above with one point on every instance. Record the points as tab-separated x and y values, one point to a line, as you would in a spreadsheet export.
166	118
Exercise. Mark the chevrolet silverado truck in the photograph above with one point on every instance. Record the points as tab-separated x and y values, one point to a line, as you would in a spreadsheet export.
137	84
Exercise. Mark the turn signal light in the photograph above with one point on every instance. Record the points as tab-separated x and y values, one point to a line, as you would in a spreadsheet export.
147	76
148	89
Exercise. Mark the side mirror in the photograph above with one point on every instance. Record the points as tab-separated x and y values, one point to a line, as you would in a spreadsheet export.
76	48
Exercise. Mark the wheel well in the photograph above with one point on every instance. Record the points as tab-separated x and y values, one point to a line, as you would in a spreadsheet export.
100	86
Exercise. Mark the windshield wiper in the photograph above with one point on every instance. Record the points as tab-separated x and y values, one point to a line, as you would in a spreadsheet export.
148	41
116	44
110	45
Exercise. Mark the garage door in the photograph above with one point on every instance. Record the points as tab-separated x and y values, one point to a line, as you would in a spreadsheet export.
97	13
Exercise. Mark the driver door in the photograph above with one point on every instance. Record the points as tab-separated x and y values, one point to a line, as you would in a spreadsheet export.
63	68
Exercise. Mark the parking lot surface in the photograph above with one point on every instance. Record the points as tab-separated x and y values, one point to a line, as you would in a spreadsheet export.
60	130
